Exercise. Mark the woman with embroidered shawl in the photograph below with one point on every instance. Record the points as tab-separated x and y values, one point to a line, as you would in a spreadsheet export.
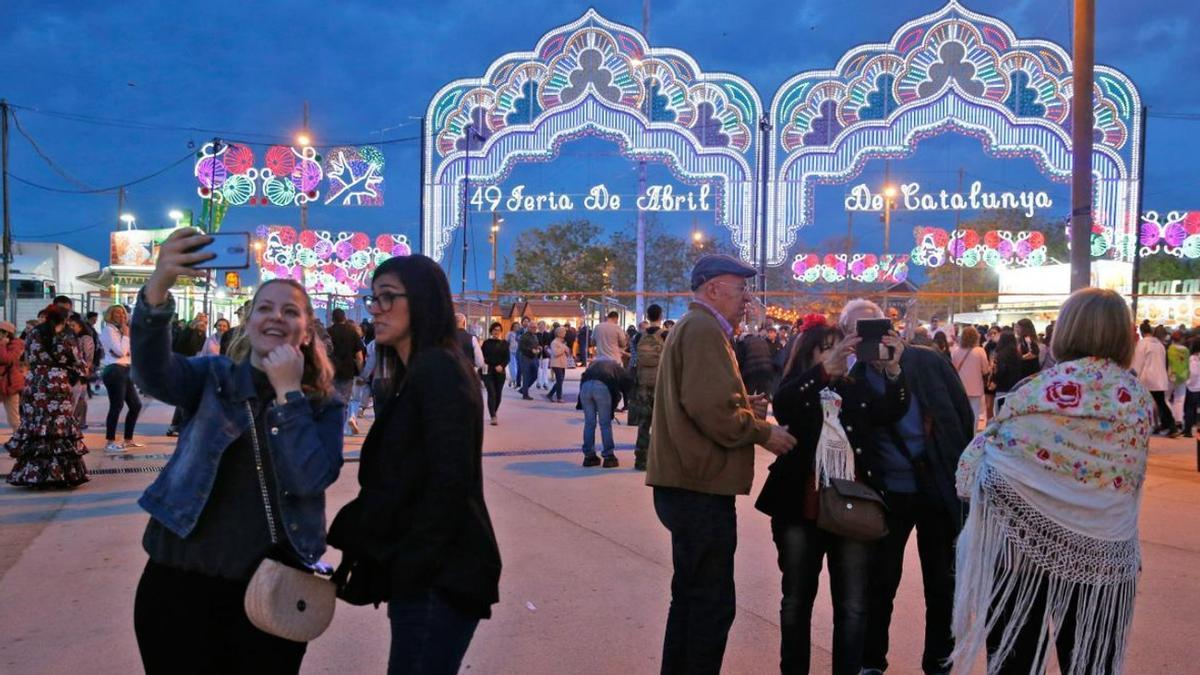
1049	553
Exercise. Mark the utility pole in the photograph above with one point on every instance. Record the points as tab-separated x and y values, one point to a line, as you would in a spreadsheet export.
639	305
495	236
1081	143
10	307
304	204
120	205
466	208
1136	278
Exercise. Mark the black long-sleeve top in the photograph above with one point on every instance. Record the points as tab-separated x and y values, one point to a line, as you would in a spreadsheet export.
495	353
790	490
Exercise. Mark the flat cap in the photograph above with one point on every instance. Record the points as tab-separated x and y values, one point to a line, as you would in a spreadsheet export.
712	266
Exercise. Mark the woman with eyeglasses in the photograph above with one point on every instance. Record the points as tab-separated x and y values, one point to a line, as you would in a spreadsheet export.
496	357
815	379
418	535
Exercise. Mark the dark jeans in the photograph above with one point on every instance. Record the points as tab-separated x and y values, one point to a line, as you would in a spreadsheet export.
120	392
935	545
1189	410
703	540
494	383
802	546
429	637
645	408
1025	651
1166	420
528	374
560	374
191	623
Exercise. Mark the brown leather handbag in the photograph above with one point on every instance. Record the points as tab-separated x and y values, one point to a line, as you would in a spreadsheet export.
852	510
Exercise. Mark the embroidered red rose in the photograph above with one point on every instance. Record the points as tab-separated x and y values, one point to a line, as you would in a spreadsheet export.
1043	454
1123	395
1118	481
1064	394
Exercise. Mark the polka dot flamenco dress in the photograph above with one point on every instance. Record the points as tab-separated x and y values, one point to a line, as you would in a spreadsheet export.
48	444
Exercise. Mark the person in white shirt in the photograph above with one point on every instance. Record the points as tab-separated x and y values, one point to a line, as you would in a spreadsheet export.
1150	363
971	363
1193	389
114	340
610	340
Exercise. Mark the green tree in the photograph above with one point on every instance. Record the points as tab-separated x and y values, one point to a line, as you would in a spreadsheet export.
567	256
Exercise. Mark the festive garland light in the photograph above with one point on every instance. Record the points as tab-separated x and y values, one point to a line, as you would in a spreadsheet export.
965	248
1173	232
325	262
811	268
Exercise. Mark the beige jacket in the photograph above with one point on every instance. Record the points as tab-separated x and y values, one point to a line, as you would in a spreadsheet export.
703	431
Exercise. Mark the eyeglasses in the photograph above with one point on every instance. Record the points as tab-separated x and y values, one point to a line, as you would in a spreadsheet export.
382	302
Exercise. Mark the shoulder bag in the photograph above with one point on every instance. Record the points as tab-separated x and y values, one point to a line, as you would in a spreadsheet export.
294	604
845	507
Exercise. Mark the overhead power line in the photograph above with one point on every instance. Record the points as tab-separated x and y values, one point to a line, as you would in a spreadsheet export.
189	156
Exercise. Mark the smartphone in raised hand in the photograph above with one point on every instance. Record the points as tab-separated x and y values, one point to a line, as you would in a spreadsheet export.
872	348
231	251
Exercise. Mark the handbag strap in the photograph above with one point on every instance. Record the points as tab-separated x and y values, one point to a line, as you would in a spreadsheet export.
262	479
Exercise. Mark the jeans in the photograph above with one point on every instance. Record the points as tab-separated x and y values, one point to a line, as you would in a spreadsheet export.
429	637
703	540
802	546
345	391
494	383
120	392
514	367
187	622
1165	419
560	374
543	375
1189	410
597	403
1178	394
529	367
935	545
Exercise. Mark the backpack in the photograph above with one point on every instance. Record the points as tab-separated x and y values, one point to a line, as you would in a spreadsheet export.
649	352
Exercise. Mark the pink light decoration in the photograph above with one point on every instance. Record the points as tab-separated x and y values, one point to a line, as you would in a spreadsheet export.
338	263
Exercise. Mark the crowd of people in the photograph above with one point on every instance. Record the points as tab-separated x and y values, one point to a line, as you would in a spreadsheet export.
1026	531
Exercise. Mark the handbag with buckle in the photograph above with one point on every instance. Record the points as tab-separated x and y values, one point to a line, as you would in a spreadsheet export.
287	602
852	510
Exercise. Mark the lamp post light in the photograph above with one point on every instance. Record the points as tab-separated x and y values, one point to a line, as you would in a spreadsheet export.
175	215
304	140
492	237
129	220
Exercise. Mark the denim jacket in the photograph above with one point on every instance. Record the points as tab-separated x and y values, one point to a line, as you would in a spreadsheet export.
304	437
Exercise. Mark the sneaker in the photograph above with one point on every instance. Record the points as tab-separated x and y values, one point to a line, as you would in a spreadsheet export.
526	397
494	422
172	431
114	448
133	444
591	460
1175	433
611	462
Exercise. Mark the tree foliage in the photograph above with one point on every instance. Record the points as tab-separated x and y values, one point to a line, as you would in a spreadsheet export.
567	257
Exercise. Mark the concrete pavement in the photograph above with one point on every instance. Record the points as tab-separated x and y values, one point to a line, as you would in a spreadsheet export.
586	564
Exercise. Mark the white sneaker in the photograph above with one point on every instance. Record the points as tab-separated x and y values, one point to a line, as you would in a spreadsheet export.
114	448
133	444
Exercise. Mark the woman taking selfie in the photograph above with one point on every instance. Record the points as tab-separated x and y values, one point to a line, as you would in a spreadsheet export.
262	424
418	536
816	392
1049	556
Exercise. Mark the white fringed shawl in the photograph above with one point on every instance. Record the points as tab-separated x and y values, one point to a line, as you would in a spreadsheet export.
1054	485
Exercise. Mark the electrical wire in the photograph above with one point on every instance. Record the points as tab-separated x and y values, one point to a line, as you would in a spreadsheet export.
51	235
46	158
190	155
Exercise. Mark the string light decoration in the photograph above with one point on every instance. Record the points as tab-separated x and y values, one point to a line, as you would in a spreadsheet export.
355	176
1174	232
811	268
952	71
336	263
289	176
593	77
966	248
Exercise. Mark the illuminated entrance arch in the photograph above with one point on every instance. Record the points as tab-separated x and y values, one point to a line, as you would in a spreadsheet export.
950	71
593	77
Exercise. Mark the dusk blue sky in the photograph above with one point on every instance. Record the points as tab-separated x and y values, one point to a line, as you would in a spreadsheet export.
368	70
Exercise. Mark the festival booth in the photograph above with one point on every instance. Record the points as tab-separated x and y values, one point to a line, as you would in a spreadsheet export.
561	312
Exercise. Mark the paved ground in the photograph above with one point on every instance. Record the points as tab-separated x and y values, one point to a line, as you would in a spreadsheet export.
586	565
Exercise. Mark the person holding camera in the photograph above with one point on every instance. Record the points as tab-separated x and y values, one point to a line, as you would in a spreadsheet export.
915	467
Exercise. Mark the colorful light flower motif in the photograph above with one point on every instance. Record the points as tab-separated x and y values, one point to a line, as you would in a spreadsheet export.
836	267
966	248
327	263
1174	232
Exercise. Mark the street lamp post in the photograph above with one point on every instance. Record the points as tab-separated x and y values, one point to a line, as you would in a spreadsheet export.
495	234
129	220
175	215
889	194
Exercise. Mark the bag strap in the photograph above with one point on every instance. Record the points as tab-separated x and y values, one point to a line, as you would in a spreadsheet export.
262	479
958	366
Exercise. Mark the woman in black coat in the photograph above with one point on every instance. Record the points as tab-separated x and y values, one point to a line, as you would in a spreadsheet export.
790	494
418	536
1009	366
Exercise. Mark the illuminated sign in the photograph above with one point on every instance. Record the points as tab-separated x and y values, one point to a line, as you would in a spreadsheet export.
655	198
910	199
136	248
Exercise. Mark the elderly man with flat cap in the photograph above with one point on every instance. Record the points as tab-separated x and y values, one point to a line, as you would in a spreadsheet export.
701	455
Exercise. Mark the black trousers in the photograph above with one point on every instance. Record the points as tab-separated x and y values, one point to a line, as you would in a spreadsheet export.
1189	410
191	623
935	544
121	391
1025	650
494	383
1166	419
703	540
560	374
803	547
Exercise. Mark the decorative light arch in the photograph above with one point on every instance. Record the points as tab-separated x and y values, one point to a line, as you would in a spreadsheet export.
593	77
950	71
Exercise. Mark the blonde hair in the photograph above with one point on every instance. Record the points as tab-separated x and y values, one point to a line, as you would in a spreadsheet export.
969	338
112	308
1094	322
317	380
